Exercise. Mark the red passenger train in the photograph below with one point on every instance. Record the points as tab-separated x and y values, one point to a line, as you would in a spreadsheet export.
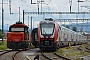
18	36
52	36
47	35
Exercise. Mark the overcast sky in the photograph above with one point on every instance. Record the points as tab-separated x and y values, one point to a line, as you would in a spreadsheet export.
47	6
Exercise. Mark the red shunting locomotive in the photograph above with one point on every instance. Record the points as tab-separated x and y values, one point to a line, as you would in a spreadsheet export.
18	36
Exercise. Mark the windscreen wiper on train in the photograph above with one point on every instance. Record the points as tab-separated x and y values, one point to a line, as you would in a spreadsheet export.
45	31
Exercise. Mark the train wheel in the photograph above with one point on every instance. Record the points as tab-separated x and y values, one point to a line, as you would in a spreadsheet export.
57	46
62	44
15	49
25	49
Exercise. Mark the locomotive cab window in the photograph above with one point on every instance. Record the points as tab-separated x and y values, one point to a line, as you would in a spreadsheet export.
47	28
16	29
59	27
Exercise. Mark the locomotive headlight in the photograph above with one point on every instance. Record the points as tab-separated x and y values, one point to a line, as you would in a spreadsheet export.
10	40
22	40
52	36
42	36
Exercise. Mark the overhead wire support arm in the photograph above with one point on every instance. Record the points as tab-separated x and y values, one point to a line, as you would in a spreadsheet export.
4	3
78	4
32	2
85	6
38	2
10	7
71	20
80	1
57	12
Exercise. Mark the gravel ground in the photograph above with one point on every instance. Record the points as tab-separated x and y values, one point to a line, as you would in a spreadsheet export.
33	52
76	54
8	56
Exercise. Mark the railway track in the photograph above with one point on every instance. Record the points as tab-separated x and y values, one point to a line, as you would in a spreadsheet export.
12	53
14	56
54	56
84	48
87	49
4	52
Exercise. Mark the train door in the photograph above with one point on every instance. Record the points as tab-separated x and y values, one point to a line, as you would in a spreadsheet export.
61	37
59	33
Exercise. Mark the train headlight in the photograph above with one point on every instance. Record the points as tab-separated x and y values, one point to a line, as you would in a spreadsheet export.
52	36
10	40
42	36
22	40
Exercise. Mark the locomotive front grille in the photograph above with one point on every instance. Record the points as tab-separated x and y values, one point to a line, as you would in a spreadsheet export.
47	43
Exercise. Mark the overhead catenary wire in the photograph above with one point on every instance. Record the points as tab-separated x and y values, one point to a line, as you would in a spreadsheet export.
10	7
49	2
49	10
15	9
49	7
26	5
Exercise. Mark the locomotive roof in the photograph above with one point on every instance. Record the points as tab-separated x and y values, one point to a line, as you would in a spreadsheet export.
47	21
18	25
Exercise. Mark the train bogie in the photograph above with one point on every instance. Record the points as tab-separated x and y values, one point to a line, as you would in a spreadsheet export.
48	46
17	45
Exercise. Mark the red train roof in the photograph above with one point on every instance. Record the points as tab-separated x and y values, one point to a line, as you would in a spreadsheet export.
18	25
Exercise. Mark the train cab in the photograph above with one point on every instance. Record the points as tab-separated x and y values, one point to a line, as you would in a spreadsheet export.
18	36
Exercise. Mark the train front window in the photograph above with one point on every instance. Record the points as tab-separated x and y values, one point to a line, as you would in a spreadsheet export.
47	28
17	29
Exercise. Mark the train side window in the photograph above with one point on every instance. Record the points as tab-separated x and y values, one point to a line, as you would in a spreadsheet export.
65	39
71	36
59	27
71	39
67	35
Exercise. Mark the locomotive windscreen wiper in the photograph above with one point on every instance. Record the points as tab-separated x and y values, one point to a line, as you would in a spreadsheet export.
45	31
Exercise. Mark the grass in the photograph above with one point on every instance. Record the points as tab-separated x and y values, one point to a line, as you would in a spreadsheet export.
31	46
60	51
3	46
71	53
